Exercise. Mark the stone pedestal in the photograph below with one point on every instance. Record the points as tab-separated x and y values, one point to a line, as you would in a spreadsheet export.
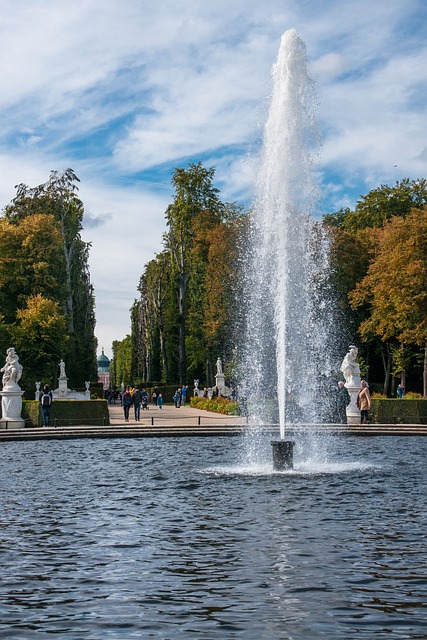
62	390
353	386
11	405
220	382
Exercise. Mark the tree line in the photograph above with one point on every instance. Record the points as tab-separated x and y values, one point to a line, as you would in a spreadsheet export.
181	321
46	297
190	306
190	309
379	271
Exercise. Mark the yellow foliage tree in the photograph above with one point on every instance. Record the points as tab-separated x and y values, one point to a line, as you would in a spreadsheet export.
395	286
40	337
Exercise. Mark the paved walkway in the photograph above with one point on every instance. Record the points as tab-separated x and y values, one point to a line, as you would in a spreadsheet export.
170	415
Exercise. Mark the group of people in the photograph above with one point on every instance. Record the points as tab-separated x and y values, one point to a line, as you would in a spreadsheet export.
139	398
180	396
363	402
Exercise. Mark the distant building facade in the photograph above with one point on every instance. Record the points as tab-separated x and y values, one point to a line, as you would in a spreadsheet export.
104	370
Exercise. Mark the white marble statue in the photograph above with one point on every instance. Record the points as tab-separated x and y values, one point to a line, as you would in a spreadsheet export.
62	369
87	385
219	366
11	394
12	370
349	367
351	371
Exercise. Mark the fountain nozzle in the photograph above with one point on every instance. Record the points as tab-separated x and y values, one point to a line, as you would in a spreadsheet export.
283	454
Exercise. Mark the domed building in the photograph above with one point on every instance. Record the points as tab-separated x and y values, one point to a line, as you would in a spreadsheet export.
104	370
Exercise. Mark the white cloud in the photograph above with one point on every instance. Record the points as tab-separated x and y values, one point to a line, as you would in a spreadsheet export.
124	92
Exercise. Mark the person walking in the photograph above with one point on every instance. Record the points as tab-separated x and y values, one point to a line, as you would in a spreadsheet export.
46	400
160	401
154	396
126	403
184	391
177	398
343	400
363	402
400	390
137	399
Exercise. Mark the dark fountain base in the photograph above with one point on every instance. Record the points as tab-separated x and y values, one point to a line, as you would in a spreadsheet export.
283	454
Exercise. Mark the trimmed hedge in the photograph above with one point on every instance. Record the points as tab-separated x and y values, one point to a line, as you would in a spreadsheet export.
393	410
31	413
67	413
167	391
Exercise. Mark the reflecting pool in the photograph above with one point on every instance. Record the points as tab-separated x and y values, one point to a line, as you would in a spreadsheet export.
178	538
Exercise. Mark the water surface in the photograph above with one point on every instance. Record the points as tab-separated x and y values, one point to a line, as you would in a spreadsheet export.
181	538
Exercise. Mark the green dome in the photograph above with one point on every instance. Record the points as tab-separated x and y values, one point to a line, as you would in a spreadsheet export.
103	362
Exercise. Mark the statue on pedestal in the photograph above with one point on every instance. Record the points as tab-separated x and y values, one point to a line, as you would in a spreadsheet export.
351	371
11	394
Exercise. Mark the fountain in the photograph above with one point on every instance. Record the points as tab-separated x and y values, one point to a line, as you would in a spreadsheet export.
287	341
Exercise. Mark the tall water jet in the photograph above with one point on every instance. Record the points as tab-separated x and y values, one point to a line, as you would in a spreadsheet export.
286	342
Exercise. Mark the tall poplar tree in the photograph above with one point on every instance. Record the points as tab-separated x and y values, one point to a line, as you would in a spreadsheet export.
194	193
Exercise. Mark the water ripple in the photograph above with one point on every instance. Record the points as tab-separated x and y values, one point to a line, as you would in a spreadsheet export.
99	539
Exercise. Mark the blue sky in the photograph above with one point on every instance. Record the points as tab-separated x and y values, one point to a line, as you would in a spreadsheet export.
124	92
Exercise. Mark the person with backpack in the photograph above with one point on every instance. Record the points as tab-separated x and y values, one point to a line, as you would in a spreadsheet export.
46	400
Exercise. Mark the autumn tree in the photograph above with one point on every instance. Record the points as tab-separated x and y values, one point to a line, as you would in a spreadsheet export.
194	193
395	286
212	299
352	249
30	262
40	337
69	272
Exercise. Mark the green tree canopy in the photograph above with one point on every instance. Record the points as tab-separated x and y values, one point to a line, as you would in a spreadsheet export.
381	204
194	193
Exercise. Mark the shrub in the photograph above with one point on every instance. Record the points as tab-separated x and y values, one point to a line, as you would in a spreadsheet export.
217	405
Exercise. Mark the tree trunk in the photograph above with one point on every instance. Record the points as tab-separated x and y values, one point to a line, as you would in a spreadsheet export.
68	256
403	372
387	369
163	352
181	308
